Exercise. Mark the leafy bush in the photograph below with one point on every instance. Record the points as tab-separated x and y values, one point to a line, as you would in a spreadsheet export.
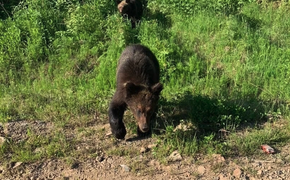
223	64
191	7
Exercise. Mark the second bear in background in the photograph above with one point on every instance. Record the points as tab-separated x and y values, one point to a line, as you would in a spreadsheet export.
131	9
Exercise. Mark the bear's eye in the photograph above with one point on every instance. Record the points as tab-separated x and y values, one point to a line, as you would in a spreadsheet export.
138	112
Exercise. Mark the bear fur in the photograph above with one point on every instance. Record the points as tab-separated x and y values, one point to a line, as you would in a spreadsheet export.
131	9
138	88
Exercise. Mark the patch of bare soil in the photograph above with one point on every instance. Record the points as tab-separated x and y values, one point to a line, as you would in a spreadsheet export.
104	158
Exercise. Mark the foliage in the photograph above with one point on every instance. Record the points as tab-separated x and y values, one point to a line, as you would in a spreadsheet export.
224	64
190	7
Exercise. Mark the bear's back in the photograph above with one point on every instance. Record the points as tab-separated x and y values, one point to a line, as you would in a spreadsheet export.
139	65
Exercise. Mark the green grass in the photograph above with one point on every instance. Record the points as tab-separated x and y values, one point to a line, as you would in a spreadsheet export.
36	147
223	65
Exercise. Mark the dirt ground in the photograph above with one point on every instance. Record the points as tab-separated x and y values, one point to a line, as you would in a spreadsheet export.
141	165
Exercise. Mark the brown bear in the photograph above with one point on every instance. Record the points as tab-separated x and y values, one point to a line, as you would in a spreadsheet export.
131	9
138	88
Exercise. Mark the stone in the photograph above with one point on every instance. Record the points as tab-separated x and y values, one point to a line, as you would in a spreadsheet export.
144	150
2	140
183	126
237	173
223	177
125	167
17	164
109	133
38	150
175	156
218	158
260	172
150	146
100	158
201	170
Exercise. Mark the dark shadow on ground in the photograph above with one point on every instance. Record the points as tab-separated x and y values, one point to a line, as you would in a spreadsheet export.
252	23
163	19
137	138
209	115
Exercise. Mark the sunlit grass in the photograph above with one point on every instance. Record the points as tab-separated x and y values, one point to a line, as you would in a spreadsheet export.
223	66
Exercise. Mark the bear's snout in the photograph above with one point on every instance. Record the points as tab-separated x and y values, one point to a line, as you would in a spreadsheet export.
144	127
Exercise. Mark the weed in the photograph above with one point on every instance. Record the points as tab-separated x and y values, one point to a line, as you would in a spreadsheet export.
224	65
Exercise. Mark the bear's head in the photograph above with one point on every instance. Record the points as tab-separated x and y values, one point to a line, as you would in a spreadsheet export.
142	101
125	7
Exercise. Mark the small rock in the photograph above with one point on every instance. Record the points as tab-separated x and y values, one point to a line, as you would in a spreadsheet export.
144	149
126	168
201	170
218	158
150	146
108	134
237	173
51	176
223	177
106	126
38	150
183	126
17	164
2	140
5	127
259	172
100	158
110	160
175	156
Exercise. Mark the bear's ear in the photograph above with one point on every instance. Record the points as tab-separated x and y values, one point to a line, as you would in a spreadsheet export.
118	1
131	89
157	88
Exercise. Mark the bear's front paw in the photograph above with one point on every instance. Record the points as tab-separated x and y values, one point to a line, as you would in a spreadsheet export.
120	133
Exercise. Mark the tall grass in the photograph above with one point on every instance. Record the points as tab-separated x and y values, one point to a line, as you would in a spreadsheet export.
223	63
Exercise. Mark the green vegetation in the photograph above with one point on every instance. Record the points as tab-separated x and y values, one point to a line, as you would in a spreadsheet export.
224	65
